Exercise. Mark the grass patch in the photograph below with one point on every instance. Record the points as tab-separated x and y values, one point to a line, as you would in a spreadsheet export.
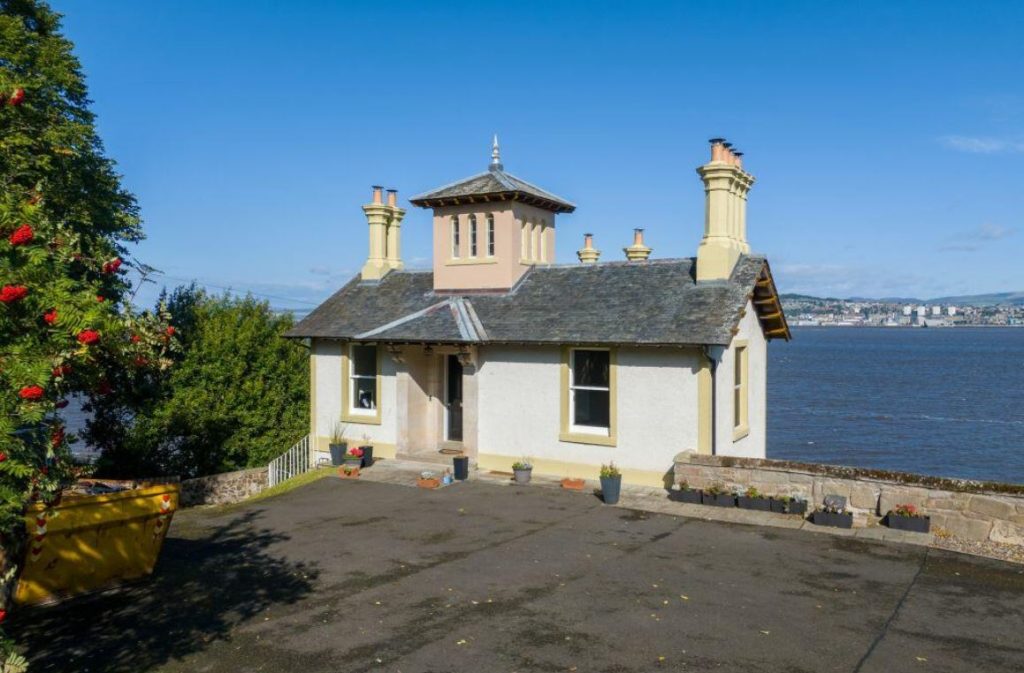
291	484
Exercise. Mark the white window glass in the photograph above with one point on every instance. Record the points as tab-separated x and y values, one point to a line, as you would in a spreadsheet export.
472	236
363	378
490	235
590	391
455	235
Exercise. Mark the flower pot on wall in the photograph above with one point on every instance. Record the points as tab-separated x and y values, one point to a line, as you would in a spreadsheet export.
833	519
759	504
611	488
688	495
916	524
718	499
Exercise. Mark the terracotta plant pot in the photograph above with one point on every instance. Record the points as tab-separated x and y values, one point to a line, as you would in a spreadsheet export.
348	472
428	483
573	484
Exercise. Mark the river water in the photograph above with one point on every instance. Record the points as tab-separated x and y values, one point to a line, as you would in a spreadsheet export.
946	402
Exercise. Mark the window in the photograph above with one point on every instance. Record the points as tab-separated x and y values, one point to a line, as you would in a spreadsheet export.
363	379
455	235
540	241
472	235
740	421
590	391
525	235
490	235
534	238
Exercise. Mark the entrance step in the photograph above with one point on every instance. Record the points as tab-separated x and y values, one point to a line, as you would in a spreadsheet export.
432	457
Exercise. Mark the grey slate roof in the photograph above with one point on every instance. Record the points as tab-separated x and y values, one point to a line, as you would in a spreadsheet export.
493	185
654	302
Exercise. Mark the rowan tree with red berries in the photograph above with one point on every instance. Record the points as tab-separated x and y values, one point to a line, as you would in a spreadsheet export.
65	220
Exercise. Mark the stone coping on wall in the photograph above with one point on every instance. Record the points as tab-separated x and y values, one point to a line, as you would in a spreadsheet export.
971	510
864	473
224	488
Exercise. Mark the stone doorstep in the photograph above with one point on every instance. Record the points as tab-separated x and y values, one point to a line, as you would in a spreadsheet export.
652	499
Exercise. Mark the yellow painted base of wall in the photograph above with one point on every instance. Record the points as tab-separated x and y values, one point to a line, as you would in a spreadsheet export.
561	468
93	542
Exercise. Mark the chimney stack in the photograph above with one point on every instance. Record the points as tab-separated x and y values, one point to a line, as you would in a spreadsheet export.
587	254
638	252
385	234
726	185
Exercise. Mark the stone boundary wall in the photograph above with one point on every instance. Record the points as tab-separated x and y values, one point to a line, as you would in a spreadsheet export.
223	489
971	510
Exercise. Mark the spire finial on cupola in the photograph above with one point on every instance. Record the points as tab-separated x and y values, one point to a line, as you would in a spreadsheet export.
496	155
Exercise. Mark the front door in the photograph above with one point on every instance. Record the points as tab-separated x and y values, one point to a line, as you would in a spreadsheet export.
453	399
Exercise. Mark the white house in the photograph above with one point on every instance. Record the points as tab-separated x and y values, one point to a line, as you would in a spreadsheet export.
499	353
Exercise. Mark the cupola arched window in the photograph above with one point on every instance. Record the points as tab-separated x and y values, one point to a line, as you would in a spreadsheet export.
455	236
472	236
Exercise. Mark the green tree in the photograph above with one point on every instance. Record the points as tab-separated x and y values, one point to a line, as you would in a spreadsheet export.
64	220
236	397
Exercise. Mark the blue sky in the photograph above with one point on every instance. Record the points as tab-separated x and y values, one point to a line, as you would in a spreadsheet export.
887	138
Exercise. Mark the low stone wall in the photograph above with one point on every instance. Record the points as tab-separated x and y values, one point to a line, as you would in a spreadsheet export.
970	510
222	489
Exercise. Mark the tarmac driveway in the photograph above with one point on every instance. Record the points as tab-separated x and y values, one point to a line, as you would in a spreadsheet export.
357	576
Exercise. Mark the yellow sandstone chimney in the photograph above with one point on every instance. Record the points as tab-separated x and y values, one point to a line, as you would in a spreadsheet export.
385	222
726	185
588	254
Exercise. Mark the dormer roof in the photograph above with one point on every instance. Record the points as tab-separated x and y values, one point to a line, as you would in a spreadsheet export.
492	185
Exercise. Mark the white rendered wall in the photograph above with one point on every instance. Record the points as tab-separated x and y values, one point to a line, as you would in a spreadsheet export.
327	365
519	407
753	444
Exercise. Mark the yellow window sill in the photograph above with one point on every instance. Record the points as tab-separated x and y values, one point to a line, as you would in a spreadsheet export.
740	432
363	419
584	438
469	261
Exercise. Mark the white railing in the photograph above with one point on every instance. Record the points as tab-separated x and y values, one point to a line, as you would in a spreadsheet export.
291	463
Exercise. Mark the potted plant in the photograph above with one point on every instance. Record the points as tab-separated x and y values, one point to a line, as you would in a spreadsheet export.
428	480
787	504
717	496
686	493
572	484
611	483
367	449
338	444
908	517
348	471
523	470
354	457
833	513
754	499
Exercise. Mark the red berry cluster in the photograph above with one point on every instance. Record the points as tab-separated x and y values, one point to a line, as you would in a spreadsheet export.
112	266
22	235
31	393
12	293
88	336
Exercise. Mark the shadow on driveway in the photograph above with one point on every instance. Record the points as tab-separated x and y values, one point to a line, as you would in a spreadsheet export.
203	587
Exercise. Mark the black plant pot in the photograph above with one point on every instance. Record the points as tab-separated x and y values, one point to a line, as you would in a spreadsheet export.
690	495
797	507
916	524
833	519
367	456
719	499
759	504
461	466
778	506
338	453
611	487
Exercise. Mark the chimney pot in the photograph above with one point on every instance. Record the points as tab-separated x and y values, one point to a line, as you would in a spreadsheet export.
377	189
587	254
717	149
393	198
638	252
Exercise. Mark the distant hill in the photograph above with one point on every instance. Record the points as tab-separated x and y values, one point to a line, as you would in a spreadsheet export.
993	299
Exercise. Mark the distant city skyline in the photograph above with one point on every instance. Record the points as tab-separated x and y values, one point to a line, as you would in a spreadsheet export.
887	138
